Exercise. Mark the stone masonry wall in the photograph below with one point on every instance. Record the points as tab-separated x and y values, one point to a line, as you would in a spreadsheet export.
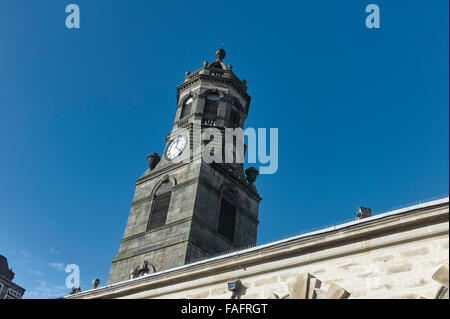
393	255
404	271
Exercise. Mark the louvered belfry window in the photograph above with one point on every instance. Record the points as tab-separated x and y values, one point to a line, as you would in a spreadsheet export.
227	216
234	117
160	207
211	106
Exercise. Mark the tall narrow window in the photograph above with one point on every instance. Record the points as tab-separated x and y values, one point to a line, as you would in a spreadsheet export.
234	116
160	207
211	105
227	216
186	109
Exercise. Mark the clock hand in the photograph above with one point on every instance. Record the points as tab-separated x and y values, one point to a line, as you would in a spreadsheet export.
181	146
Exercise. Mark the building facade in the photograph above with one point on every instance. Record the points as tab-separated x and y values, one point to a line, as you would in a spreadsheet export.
8	289
398	254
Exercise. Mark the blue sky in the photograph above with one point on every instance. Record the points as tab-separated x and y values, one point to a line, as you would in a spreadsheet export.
362	114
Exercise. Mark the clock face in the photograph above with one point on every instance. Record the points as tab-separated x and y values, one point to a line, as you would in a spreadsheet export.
176	147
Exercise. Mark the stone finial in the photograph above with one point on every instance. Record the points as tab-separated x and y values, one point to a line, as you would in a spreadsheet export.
153	159
187	73
205	64
220	54
251	174
95	283
363	212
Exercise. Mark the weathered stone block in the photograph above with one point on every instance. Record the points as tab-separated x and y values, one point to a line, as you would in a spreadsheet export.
336	292
300	288
265	281
441	275
399	268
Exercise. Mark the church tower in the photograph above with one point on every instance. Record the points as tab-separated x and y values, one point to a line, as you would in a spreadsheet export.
185	208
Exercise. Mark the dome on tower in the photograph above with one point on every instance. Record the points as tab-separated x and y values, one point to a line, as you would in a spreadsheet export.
220	55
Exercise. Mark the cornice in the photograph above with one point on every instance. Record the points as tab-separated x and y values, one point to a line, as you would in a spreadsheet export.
234	82
160	171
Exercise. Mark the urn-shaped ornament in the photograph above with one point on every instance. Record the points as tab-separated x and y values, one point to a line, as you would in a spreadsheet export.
251	173
153	159
95	283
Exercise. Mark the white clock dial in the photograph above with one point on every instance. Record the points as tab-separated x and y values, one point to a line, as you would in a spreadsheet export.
176	147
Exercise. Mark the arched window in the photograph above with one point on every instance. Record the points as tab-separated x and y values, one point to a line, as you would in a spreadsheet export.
160	207
186	108
227	215
211	105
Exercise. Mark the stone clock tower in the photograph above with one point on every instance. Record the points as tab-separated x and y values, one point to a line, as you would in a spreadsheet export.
185	208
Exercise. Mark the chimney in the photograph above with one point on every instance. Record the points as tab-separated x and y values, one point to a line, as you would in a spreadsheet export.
363	212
